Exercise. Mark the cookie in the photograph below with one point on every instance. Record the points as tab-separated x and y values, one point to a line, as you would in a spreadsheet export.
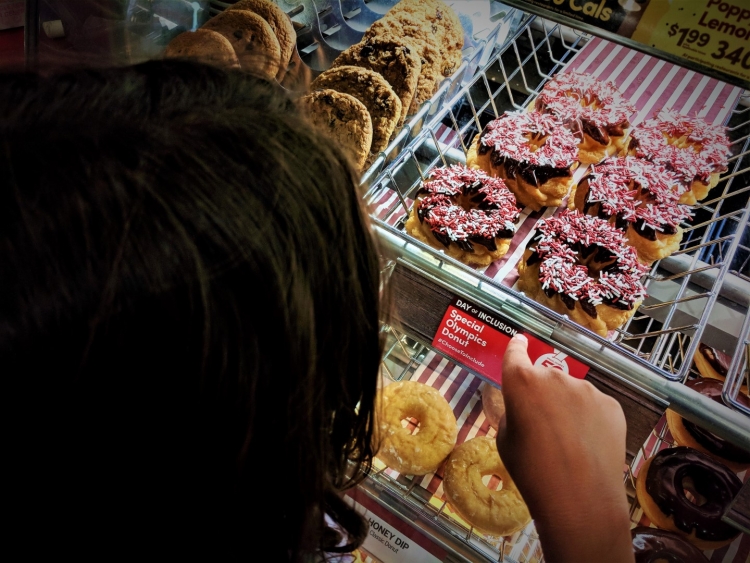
373	91
252	39
204	45
416	34
344	119
279	22
393	59
446	26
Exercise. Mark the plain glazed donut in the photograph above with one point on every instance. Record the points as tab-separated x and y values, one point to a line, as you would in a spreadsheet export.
493	404
498	513
423	452
580	266
636	196
651	545
686	433
595	111
465	212
532	152
661	494
688	146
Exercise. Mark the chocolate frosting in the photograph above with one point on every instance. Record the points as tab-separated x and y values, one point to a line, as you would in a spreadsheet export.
712	480
717	360
711	388
651	545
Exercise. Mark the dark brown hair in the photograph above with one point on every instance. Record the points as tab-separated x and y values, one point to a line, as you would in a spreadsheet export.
188	316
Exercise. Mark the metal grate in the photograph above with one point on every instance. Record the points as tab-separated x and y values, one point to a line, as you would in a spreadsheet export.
700	285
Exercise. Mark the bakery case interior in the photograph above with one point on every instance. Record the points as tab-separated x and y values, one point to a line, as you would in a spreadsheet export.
694	316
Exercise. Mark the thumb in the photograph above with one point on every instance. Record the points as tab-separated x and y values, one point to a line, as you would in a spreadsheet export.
516	358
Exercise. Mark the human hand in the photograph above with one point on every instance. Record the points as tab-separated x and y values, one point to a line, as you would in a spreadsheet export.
563	442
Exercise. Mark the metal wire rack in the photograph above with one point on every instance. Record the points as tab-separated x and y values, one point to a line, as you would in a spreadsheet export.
406	493
704	283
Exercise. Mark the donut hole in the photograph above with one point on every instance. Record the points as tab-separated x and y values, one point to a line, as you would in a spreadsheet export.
411	425
691	493
536	141
492	482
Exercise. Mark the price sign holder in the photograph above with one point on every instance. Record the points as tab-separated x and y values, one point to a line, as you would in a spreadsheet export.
709	36
478	338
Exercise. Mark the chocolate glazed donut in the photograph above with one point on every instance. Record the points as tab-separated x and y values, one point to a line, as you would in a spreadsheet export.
651	546
664	484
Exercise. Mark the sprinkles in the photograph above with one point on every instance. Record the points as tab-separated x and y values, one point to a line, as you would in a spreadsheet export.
510	136
562	243
636	190
574	97
492	211
688	146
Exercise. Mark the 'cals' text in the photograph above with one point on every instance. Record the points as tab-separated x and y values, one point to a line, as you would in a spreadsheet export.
592	9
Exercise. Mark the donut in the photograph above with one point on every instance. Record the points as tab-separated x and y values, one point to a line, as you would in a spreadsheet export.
687	433
466	213
695	151
651	545
660	488
580	266
493	404
500	513
532	152
636	196
423	452
595	111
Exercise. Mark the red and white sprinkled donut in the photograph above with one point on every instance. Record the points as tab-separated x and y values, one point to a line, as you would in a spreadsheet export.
532	152
595	111
637	197
465	212
580	266
688	146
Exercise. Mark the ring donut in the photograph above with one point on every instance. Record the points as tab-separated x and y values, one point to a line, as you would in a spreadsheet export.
660	488
651	545
465	212
595	111
686	433
636	196
580	266
532	152
688	146
423	452
500	512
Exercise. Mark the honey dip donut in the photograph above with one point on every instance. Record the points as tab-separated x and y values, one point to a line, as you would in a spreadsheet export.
580	266
423	452
660	488
636	196
465	212
695	151
687	433
493	404
595	111
499	513
532	152
651	545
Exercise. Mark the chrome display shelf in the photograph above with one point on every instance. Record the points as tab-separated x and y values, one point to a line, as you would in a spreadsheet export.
706	283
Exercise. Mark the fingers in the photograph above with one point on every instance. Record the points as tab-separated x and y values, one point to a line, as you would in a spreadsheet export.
516	357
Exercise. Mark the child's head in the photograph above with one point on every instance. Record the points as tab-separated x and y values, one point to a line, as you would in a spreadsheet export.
188	308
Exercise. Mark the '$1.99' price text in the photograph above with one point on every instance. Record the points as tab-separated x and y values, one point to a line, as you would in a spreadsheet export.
688	37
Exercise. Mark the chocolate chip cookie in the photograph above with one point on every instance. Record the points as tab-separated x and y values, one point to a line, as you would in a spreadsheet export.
373	91
344	119
204	45
279	22
393	59
252	38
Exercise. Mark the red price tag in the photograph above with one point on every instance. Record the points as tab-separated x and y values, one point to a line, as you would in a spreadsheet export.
478	339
